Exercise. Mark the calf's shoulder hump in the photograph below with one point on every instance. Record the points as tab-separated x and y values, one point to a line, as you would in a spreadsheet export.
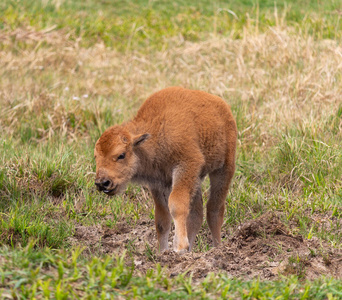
183	105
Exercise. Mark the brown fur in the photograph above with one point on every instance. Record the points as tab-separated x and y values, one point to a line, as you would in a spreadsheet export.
177	138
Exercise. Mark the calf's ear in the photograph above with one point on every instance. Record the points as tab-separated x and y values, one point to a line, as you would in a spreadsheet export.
140	138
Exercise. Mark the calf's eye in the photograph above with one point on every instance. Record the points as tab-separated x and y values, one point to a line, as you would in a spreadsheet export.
122	156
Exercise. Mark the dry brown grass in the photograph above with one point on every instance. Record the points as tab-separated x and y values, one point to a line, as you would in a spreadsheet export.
279	77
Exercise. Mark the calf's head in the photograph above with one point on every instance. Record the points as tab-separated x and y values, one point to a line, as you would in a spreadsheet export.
116	162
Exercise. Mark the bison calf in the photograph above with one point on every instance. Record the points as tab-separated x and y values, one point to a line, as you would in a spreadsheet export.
177	138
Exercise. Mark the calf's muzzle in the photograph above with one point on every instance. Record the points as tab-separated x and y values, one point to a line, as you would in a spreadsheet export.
103	184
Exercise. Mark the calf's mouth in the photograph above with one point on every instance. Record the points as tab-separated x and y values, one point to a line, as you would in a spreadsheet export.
110	192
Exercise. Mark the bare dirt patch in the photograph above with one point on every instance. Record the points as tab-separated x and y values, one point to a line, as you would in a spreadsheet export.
263	248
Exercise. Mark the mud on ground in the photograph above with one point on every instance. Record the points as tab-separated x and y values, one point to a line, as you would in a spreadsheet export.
262	248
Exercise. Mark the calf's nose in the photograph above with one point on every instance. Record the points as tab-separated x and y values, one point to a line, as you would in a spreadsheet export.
103	183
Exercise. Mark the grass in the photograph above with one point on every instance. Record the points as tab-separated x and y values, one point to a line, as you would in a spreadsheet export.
126	25
46	274
70	69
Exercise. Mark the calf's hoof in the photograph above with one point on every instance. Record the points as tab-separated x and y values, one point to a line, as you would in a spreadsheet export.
182	251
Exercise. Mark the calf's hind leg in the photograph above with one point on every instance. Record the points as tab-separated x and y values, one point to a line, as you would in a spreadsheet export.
195	217
219	184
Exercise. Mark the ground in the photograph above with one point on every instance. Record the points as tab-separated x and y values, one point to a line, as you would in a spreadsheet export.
262	248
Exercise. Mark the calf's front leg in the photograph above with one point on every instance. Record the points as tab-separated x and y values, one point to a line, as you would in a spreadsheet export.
179	203
162	217
187	217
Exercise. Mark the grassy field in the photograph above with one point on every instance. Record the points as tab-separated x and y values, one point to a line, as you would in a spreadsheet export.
70	69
